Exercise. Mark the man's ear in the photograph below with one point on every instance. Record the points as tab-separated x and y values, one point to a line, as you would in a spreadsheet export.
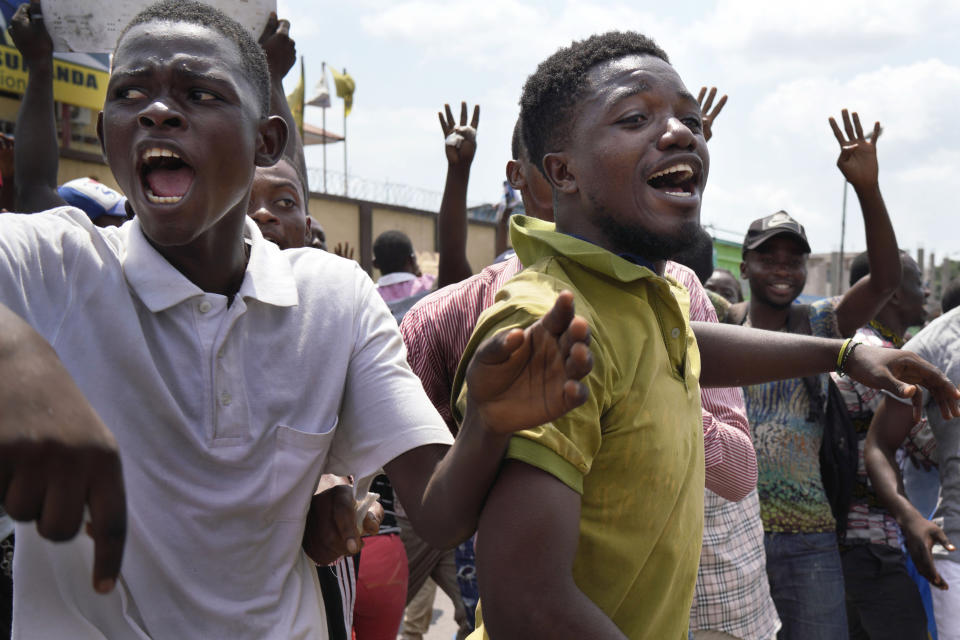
515	175
103	147
271	141
744	269
557	169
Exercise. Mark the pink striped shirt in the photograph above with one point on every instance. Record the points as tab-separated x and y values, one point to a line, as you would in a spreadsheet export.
436	331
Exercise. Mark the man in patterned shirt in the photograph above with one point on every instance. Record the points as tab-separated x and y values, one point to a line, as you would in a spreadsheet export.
803	562
882	599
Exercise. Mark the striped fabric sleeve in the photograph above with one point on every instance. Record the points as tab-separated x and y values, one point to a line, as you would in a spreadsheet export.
731	462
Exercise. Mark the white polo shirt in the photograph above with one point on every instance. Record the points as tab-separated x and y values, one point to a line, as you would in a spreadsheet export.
225	419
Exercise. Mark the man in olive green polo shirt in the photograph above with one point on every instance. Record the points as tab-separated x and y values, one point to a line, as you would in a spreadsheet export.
632	553
592	528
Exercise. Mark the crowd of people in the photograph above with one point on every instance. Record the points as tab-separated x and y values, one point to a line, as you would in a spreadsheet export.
238	434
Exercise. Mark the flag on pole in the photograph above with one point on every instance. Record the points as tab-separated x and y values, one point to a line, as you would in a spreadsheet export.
345	86
322	92
295	100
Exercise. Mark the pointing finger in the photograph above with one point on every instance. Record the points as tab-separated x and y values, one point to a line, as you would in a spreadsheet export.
108	523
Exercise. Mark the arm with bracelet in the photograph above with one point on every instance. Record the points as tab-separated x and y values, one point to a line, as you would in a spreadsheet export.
734	356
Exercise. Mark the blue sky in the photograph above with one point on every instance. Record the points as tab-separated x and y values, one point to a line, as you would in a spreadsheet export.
786	70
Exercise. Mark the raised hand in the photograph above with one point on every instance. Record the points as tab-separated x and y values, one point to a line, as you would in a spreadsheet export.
921	535
460	141
899	372
526	377
30	35
858	155
56	455
344	250
707	116
281	50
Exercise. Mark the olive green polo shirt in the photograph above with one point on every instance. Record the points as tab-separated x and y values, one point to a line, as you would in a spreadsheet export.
634	450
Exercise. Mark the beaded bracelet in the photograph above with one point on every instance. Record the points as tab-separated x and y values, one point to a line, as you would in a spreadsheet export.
845	353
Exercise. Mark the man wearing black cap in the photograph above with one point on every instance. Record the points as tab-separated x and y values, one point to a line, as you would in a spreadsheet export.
803	562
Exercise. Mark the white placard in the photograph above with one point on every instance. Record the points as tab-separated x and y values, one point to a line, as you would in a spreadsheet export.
93	26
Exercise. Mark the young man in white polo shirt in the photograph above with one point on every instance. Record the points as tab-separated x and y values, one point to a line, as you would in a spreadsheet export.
230	407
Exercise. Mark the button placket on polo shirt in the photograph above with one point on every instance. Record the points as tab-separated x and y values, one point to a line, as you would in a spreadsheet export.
214	320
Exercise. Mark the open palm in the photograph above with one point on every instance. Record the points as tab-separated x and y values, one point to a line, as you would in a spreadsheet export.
522	378
858	153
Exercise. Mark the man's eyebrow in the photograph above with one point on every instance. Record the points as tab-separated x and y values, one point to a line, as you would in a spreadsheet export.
686	96
626	92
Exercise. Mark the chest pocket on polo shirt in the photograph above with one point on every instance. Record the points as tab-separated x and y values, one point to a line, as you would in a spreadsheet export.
297	464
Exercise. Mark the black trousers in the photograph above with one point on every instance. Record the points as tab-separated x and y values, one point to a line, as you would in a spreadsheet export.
882	599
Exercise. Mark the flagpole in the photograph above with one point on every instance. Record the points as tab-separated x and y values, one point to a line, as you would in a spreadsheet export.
324	71
346	177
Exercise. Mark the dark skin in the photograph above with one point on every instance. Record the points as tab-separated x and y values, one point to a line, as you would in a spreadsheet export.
161	93
276	205
8	191
636	119
891	425
777	273
38	159
724	284
166	77
460	145
639	120
907	306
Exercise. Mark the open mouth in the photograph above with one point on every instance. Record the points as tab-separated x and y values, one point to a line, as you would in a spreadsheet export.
678	180
166	178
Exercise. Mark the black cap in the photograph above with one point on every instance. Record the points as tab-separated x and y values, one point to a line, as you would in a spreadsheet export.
775	224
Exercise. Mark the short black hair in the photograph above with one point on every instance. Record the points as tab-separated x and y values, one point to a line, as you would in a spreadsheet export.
698	256
391	250
951	296
191	12
860	266
517	147
552	92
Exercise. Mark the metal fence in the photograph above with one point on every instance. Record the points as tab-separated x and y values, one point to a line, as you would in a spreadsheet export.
402	195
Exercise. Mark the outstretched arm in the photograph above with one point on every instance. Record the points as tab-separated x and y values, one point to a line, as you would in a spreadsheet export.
36	154
460	145
734	356
56	456
515	380
891	425
858	164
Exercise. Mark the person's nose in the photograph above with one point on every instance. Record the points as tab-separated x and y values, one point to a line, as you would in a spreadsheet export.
677	134
159	113
262	215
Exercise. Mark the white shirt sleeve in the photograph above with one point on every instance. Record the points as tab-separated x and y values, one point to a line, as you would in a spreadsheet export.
42	257
385	410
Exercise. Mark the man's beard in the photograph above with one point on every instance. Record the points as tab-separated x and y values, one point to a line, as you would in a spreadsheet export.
638	241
